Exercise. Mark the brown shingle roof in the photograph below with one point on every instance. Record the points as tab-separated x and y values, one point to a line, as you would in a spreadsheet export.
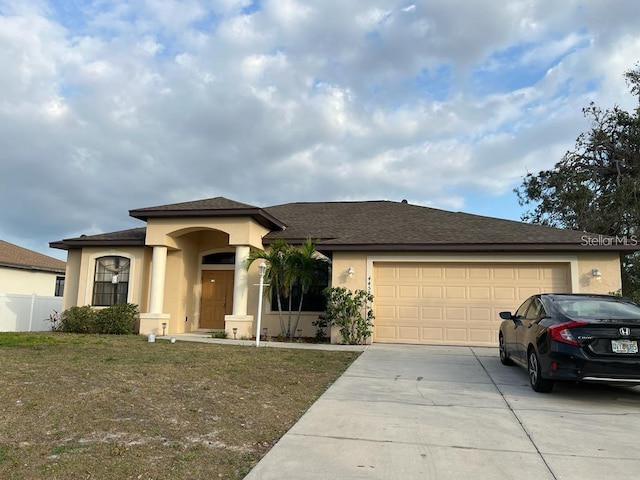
121	238
399	225
18	257
369	225
210	207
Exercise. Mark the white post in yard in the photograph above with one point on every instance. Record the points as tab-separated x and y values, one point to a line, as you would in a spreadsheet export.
261	269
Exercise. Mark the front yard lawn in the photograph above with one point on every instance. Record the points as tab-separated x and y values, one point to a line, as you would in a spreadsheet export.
117	407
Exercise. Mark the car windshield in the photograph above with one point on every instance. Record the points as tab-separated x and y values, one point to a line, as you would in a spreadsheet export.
595	308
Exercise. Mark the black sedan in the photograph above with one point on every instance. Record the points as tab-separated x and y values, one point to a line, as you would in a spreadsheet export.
575	337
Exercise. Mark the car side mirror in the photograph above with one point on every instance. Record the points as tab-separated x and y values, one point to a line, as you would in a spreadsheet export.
506	315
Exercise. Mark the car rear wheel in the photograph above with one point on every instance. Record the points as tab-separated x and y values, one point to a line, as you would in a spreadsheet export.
539	384
504	357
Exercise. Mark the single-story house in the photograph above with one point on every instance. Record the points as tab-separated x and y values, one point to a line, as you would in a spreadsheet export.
436	276
25	272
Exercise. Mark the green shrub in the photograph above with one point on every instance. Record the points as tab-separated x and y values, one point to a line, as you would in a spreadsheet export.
351	311
220	334
118	319
78	320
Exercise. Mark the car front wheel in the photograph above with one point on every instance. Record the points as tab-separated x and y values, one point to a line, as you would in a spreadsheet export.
539	384
504	357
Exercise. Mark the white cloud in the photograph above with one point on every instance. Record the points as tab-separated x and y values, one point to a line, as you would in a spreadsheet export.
148	102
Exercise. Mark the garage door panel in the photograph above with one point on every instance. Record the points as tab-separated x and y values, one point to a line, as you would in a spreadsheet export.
432	313
455	273
409	334
477	314
482	336
385	333
458	335
436	292
431	273
409	291
505	293
525	292
432	335
479	273
409	273
408	312
455	293
455	303
504	273
479	293
456	314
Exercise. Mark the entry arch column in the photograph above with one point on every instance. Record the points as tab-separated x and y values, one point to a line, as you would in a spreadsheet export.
239	319
151	321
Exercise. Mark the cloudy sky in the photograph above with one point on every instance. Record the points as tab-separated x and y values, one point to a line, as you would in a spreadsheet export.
107	106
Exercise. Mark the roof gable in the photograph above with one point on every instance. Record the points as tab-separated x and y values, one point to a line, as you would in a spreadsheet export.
210	207
18	257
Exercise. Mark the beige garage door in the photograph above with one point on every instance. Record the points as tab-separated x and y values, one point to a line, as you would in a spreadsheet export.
455	304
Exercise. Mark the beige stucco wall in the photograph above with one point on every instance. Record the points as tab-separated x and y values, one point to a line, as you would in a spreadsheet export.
190	238
27	282
81	265
240	231
609	266
339	278
580	266
72	278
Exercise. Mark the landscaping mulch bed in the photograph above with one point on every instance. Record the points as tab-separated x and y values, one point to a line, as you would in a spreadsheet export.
118	407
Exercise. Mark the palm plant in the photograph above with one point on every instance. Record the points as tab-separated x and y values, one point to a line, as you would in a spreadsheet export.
288	267
305	262
277	260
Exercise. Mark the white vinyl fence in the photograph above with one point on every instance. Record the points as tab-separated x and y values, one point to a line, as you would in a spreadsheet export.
27	313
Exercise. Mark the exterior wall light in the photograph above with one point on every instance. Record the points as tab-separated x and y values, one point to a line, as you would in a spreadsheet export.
351	271
595	273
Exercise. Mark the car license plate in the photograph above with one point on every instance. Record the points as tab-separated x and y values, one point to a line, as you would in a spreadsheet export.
624	346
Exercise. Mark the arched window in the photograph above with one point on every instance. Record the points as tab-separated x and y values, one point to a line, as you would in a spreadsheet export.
111	281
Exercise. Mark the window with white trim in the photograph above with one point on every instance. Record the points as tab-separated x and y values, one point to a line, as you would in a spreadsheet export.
111	281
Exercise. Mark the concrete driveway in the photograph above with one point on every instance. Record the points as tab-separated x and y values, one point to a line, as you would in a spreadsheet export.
428	412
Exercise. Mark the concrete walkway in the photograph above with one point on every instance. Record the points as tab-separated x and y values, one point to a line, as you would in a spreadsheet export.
427	412
207	338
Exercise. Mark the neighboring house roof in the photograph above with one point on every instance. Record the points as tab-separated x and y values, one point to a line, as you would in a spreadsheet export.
13	256
370	225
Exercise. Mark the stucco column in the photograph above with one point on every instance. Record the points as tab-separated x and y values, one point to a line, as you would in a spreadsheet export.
158	271
240	281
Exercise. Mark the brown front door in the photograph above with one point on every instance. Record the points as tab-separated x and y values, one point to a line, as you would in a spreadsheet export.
217	297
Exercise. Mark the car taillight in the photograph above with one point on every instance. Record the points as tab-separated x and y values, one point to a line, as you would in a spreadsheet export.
562	332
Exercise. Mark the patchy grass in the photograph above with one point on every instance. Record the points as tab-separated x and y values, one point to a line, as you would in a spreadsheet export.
102	407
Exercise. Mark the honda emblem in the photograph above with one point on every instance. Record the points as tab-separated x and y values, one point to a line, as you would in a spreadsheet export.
625	331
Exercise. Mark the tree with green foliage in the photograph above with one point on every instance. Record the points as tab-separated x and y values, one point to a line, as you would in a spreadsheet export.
305	262
288	267
277	260
595	187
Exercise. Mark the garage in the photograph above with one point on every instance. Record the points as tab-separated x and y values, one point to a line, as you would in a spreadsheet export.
455	303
